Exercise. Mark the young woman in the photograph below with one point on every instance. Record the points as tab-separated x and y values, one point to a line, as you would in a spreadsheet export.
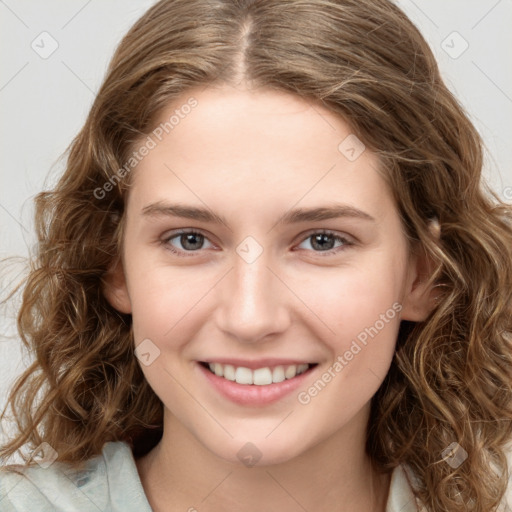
270	278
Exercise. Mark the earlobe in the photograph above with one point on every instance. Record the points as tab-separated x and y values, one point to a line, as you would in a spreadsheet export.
115	290
421	296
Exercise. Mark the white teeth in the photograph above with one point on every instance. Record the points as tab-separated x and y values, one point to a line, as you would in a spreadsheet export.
219	370
258	377
278	374
243	375
229	372
290	371
262	376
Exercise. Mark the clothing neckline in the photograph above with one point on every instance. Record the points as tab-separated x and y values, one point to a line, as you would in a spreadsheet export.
400	495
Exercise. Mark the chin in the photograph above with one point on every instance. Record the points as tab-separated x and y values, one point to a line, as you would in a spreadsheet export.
256	450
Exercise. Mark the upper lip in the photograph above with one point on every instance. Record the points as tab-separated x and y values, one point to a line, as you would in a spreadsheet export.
257	363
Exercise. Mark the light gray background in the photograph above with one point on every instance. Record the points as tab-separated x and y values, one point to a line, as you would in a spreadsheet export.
44	101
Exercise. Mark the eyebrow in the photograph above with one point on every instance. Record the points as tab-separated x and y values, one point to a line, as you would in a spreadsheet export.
163	209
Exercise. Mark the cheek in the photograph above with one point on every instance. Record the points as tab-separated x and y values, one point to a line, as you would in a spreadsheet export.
363	313
353	298
165	300
368	324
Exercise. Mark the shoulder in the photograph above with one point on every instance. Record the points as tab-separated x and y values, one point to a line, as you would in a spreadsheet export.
507	499
108	481
401	498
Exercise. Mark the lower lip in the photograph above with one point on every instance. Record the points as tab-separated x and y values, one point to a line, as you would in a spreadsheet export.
251	394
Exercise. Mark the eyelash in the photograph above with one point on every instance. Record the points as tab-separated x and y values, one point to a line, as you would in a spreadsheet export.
346	243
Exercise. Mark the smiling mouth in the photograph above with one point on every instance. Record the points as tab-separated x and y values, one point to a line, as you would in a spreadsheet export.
259	376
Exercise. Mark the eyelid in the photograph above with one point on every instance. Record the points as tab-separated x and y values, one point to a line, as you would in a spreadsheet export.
334	233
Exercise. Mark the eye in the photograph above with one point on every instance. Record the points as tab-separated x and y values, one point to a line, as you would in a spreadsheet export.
190	241
324	240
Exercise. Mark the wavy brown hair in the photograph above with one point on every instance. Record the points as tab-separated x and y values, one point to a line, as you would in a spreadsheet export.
450	380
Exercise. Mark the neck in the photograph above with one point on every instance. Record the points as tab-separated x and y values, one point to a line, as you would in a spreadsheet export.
334	475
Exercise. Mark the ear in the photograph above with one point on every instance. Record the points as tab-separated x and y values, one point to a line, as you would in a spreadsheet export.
420	298
115	289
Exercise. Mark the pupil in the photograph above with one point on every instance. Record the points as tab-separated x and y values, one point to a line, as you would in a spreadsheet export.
187	237
320	239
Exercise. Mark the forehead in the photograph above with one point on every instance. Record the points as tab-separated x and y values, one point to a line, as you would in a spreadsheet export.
257	148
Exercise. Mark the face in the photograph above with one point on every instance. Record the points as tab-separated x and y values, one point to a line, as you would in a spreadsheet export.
299	258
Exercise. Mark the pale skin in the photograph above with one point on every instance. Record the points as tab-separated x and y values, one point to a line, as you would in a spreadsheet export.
252	156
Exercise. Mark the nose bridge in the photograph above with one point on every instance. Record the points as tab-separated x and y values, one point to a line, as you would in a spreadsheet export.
251	307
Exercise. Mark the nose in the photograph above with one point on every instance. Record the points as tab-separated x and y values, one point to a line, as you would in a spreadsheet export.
252	301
